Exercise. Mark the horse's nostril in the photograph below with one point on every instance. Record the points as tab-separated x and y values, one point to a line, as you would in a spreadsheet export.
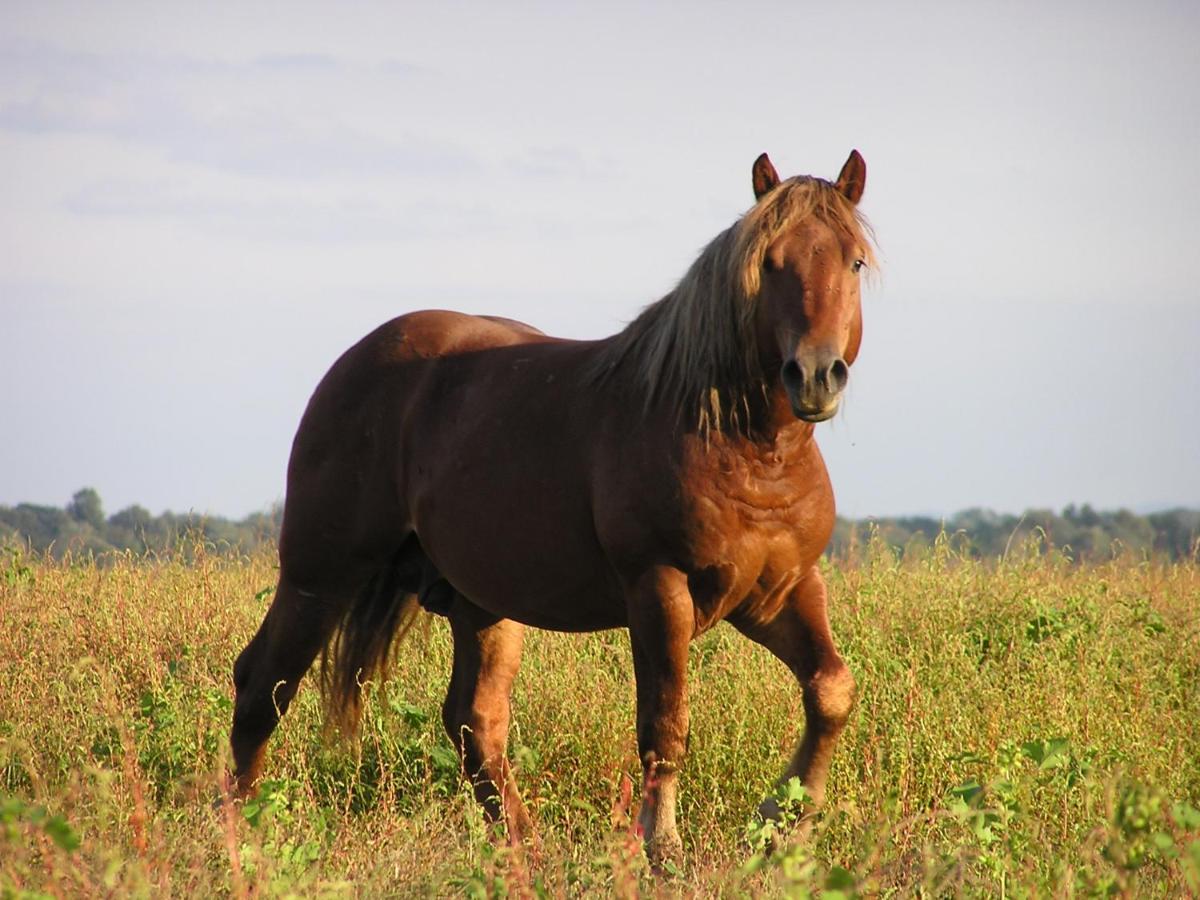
839	374
792	374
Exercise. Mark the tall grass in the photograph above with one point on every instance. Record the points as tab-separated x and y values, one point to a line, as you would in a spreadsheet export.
1027	727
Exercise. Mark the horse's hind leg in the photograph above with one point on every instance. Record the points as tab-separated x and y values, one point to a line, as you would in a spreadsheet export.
799	635
487	653
268	672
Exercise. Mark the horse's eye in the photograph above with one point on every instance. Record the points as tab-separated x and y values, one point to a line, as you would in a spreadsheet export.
857	266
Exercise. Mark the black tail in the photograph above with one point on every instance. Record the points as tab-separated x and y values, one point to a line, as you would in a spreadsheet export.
361	647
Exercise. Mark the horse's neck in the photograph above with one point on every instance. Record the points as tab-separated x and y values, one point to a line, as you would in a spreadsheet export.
775	426
775	433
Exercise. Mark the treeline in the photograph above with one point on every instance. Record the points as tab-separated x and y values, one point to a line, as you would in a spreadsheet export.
82	528
1081	532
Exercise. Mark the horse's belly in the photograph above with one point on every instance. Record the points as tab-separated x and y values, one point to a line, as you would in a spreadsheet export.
547	580
510	528
574	612
536	569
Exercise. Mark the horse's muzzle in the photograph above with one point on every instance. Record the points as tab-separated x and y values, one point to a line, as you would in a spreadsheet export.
814	385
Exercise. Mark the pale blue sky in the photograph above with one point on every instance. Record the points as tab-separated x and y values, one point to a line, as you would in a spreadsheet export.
201	207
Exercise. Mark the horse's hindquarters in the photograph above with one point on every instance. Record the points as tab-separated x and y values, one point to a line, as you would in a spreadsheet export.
345	515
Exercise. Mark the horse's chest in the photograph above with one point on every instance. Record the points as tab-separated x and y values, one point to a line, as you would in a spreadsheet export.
750	539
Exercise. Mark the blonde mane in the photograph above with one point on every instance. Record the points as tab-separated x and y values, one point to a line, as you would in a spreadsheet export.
696	349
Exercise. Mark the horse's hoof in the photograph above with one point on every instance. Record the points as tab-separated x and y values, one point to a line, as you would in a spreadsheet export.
769	811
233	791
665	853
223	795
525	841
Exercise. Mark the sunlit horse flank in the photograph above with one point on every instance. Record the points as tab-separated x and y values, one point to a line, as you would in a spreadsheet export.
663	479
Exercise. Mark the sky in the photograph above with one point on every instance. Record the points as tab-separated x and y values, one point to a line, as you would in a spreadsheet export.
203	205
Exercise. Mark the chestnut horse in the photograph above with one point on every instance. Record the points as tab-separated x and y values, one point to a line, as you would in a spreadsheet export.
661	480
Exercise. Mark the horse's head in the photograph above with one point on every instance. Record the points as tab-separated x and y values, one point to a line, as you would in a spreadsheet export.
808	315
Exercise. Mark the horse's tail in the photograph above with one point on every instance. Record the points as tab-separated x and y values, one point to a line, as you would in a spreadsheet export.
361	647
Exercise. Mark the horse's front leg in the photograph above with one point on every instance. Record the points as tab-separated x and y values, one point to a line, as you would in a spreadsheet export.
661	624
799	635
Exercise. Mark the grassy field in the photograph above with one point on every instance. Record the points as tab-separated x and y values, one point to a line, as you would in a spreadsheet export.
1023	728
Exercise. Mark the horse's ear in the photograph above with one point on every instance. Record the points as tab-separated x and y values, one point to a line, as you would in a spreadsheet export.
765	176
853	177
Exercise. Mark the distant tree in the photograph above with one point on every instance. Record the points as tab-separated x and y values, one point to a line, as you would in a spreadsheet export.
85	506
1133	531
134	518
40	525
1176	531
130	528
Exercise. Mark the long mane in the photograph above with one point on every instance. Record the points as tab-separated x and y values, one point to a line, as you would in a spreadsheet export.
695	350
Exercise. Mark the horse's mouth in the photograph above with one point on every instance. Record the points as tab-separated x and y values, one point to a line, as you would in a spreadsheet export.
815	415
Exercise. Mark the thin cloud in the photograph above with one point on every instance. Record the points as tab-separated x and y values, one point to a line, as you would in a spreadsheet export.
233	117
344	217
292	61
542	162
263	216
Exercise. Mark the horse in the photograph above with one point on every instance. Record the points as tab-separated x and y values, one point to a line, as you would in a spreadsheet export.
662	480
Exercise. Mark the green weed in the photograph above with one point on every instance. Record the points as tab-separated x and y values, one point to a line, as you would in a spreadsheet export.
1023	728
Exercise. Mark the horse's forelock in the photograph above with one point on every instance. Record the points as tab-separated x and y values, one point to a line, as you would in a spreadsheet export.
782	210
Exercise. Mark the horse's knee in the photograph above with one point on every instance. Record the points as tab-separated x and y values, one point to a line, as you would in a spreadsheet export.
830	695
491	723
486	726
462	726
479	731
